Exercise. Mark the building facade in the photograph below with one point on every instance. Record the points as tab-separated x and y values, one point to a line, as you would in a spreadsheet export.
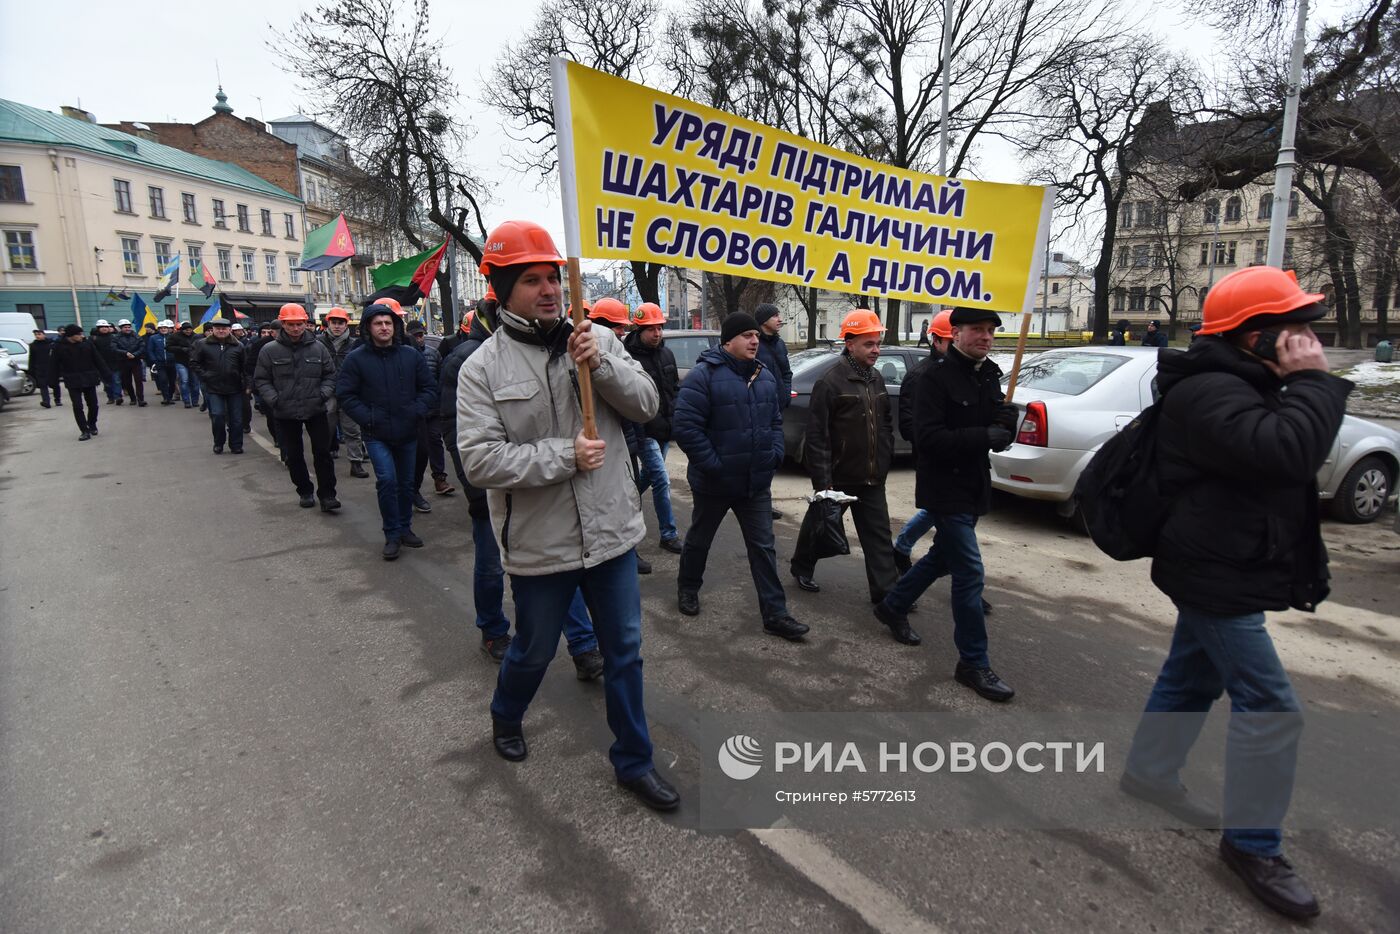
86	210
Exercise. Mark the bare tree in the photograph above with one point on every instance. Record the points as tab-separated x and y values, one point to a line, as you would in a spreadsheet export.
377	77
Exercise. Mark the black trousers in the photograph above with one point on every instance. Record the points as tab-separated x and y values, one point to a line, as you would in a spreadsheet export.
86	420
872	518
318	429
133	380
430	450
56	389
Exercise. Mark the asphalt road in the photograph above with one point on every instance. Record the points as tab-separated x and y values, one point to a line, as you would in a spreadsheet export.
219	712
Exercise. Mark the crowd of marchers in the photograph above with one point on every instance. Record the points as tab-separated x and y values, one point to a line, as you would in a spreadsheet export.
1247	415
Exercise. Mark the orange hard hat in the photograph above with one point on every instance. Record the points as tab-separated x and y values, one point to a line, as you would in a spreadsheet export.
467	321
513	243
292	312
861	321
942	325
1256	290
392	304
610	310
490	295
648	314
338	312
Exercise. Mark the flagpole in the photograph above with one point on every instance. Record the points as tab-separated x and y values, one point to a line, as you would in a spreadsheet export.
563	122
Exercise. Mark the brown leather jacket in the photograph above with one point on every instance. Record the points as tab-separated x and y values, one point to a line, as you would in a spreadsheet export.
850	430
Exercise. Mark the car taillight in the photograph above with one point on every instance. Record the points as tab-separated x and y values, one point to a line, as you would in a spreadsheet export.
793	393
1035	426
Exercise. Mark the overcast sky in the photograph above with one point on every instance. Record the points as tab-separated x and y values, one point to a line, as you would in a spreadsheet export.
157	62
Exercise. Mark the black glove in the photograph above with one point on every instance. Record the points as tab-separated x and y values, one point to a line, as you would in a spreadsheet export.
998	438
1007	416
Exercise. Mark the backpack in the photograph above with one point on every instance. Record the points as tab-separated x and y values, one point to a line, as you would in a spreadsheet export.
1118	493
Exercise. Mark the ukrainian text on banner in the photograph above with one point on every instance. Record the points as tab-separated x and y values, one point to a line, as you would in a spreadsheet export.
649	176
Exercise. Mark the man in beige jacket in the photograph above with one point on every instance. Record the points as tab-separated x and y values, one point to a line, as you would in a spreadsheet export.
564	509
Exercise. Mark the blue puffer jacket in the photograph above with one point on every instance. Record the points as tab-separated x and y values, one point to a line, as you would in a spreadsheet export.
387	390
155	350
729	425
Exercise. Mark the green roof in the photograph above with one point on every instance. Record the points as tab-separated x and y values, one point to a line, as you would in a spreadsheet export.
20	123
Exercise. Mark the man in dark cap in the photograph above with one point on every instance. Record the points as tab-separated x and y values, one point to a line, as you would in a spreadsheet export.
77	362
960	415
1155	336
773	354
1118	337
729	424
40	352
218	360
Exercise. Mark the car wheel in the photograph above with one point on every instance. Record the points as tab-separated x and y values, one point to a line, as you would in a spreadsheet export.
4	397
27	386
1364	491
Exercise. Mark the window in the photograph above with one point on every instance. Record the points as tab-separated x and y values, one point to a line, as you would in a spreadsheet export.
1293	204
36	310
1070	374
220	217
270	264
1123	254
266	222
19	250
1261	252
344	280
1266	207
310	188
291	227
187	203
123	191
250	272
194	255
157	199
131	255
1205	254
1159	217
225	264
1159	255
11	183
1054	288
162	253
243	218
1141	254
293	274
1288	252
1154	297
1225	253
1137	298
892	367
1125	215
1211	212
1119	299
1202	295
1233	208
321	282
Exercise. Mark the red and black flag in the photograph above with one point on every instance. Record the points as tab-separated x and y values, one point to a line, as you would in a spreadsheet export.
327	246
409	280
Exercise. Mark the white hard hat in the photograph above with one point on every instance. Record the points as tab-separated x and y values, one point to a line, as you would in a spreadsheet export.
237	326
102	323
166	323
123	322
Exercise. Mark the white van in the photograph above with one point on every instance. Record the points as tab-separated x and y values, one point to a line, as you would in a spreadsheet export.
18	326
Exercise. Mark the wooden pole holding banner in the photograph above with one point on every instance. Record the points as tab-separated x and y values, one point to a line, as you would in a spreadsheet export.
1020	351
568	188
1041	260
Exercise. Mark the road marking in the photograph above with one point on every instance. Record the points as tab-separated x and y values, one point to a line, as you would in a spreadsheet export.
877	906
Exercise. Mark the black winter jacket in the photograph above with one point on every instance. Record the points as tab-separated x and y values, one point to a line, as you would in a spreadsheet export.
1239	451
447	403
295	380
660	365
79	365
773	354
104	346
40	353
123	344
729	425
387	390
850	432
909	392
340	348
219	365
955	404
179	345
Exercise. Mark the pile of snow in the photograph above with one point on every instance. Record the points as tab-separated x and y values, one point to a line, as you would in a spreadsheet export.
1375	374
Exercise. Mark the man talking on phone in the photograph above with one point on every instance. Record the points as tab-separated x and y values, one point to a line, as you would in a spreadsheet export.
1248	416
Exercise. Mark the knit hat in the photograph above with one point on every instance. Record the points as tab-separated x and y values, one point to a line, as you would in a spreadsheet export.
765	311
72	329
503	279
736	324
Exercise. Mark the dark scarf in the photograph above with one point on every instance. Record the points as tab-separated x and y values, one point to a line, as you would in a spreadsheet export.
554	338
866	373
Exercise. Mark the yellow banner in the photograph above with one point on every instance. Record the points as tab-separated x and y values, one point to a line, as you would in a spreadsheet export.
653	177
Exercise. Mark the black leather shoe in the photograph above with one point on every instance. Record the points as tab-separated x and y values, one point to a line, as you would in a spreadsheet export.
92	430
236	450
986	608
688	603
410	540
902	562
655	792
85	437
1273	882
495	649
673	545
588	666
141	404
508	740
898	623
330	504
358	471
807	584
1178	802
643	565
785	627
984	681
777	514
421	504
218	449
307	501
391	549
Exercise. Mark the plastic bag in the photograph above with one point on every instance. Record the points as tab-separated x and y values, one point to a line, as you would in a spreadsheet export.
823	532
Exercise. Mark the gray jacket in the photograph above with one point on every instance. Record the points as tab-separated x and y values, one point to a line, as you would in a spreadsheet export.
517	417
295	380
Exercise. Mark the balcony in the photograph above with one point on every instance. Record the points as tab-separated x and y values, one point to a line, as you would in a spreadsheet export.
362	259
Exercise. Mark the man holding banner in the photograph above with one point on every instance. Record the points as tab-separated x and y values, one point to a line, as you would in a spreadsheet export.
564	510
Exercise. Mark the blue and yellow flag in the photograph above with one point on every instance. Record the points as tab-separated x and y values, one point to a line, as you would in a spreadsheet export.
142	312
209	315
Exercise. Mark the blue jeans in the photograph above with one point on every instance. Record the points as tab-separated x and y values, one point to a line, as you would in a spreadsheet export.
755	515
393	483
541	603
489	590
655	475
954	552
189	384
916	528
227	410
1211	655
112	385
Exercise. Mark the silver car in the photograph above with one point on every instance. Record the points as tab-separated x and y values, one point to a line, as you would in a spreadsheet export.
12	378
1074	399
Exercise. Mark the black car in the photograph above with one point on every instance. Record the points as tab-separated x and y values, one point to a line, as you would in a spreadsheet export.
809	365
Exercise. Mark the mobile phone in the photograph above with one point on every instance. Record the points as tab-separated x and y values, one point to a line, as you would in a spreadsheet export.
1265	345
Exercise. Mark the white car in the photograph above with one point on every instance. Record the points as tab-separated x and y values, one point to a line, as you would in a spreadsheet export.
1073	399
